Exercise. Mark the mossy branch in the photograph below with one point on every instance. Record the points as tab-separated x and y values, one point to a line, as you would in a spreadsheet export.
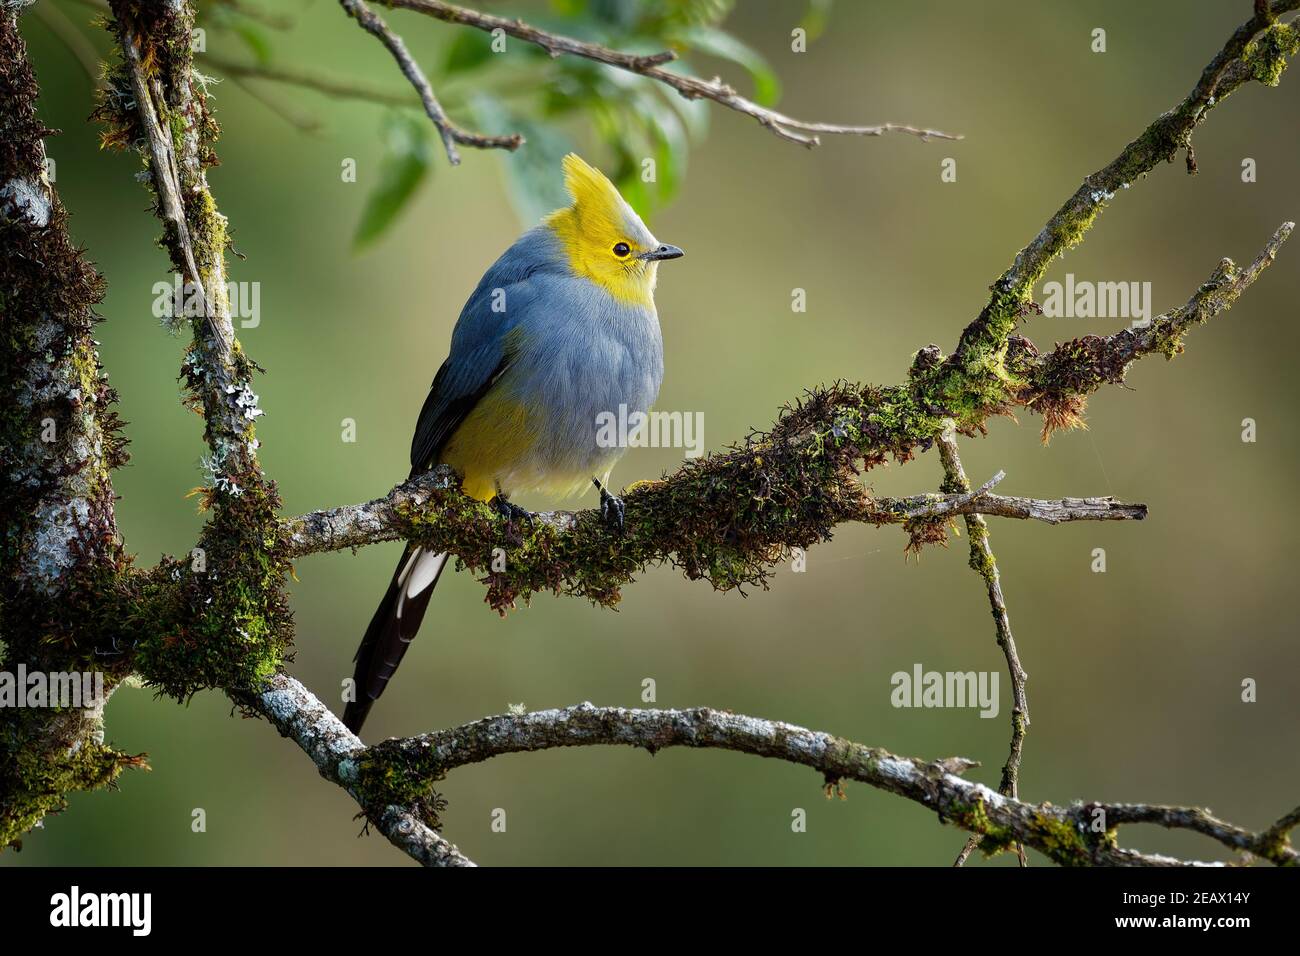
59	440
689	519
232	626
1059	383
1257	50
153	98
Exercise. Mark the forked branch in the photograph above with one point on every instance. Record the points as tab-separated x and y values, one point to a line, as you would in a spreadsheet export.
787	127
451	134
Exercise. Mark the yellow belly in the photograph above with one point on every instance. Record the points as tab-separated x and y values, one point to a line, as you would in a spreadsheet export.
494	449
488	442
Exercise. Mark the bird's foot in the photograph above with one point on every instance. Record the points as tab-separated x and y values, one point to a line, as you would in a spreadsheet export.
511	511
611	508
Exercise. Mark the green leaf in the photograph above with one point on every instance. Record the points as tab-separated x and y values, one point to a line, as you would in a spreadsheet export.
630	147
671	144
251	32
469	50
815	18
622	15
694	113
715	42
407	160
697	12
254	38
533	175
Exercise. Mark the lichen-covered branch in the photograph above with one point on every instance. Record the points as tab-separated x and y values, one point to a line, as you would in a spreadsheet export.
59	440
224	619
787	127
154	98
985	565
60	435
451	134
1079	835
336	752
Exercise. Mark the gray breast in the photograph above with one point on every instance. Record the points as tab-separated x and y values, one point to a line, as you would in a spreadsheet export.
588	356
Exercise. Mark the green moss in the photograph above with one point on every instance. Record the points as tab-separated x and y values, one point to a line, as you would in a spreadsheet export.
1267	54
974	818
46	753
35	783
981	560
1275	850
1060	840
389	776
229	624
1067	232
1167	339
1056	838
176	124
182	630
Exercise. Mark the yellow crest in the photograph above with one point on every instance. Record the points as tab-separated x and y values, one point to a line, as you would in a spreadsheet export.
591	190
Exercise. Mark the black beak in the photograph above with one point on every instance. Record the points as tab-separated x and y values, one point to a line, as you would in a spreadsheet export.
663	252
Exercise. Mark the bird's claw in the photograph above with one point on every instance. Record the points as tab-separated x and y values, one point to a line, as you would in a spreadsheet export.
611	507
511	511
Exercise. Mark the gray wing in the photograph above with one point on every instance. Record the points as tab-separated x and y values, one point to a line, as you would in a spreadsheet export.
482	344
456	389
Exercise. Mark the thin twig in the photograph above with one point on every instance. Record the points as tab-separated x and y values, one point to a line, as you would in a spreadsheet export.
985	565
298	119
320	82
276	21
451	134
692	88
166	175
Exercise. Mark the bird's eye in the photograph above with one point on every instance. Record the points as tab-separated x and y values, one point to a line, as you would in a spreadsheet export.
622	249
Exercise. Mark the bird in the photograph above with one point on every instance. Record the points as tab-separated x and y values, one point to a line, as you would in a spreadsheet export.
560	331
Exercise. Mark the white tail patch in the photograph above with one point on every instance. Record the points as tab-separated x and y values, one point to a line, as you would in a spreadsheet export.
421	571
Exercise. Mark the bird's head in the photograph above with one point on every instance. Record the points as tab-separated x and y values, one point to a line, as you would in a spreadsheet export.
604	239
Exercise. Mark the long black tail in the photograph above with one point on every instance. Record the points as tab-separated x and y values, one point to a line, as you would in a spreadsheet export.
392	629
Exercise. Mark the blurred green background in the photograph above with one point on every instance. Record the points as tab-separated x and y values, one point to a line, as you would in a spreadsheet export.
1134	674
